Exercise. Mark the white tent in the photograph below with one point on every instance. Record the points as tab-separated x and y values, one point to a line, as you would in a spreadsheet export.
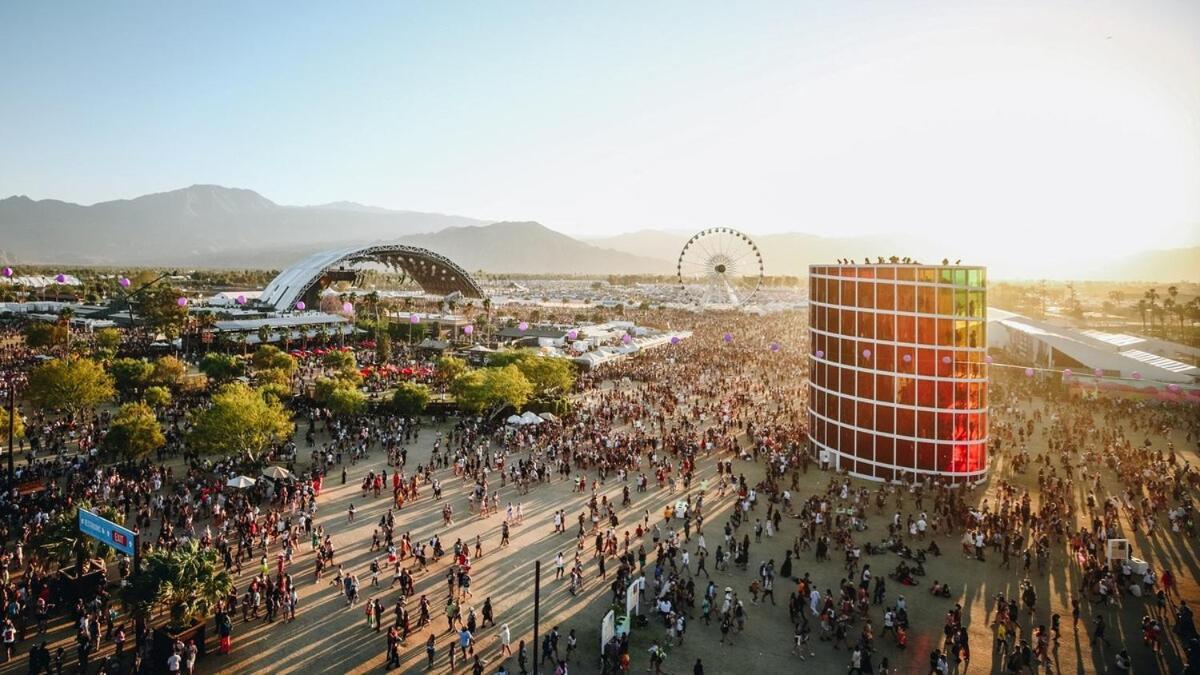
514	419
531	418
240	482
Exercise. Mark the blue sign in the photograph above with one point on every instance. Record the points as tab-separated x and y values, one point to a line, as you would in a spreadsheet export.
106	532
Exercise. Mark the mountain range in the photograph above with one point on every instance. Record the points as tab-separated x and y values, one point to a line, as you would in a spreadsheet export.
218	227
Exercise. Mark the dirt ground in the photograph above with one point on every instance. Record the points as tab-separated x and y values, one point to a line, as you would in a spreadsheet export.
329	637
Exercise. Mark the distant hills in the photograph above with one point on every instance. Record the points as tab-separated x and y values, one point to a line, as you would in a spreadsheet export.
220	227
191	224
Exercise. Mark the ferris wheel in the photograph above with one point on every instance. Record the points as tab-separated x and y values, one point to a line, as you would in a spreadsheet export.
720	266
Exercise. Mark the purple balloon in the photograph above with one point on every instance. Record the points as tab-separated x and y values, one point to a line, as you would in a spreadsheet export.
300	305
907	358
947	360
8	272
675	340
1067	372
626	338
347	307
413	318
774	346
820	354
1172	388
728	337
241	300
468	329
523	326
572	334
987	359
1099	372
181	301
1137	376
61	278
124	282
1029	372
866	353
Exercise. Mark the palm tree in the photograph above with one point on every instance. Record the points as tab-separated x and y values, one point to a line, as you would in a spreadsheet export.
1151	295
1143	307
1176	306
64	316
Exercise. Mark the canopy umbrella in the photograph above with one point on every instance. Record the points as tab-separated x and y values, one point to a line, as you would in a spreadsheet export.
277	473
549	417
514	419
240	482
531	418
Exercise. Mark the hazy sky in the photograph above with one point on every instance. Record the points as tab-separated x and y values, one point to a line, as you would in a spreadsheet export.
1070	124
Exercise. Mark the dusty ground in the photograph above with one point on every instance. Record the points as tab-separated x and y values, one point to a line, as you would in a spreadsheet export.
328	637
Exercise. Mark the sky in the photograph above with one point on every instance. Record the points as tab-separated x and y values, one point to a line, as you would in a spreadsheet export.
1072	128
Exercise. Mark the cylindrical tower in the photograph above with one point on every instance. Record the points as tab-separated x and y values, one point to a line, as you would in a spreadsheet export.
898	384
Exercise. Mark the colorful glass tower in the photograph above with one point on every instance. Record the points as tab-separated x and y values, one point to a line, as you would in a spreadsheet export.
898	377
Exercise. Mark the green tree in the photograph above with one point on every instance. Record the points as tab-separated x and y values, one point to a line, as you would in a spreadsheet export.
157	397
108	340
346	401
448	368
240	419
41	334
18	426
483	388
340	361
134	432
159	308
410	399
168	371
383	347
271	357
188	579
221	367
130	375
547	375
72	384
276	376
60	538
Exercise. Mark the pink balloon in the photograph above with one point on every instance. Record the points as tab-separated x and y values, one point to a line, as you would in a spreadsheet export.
468	329
1099	372
1029	372
947	360
626	338
181	301
413	318
124	282
523	326
300	305
774	346
241	300
8	271
347	307
907	358
1067	372
866	353
987	359
572	334
1137	376
1172	388
820	354
728	337
61	278
675	340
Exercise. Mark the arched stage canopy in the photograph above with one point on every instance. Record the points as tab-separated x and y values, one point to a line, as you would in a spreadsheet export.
304	280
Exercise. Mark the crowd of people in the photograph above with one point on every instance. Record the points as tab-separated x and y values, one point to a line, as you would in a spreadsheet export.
683	462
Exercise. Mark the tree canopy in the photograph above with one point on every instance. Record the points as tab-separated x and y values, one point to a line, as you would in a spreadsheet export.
72	384
134	433
448	368
477	390
130	375
168	371
18	426
410	399
346	401
41	334
159	307
271	357
108	340
240	419
221	367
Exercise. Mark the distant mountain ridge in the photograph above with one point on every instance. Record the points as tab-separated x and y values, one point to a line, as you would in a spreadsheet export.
220	227
190	223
